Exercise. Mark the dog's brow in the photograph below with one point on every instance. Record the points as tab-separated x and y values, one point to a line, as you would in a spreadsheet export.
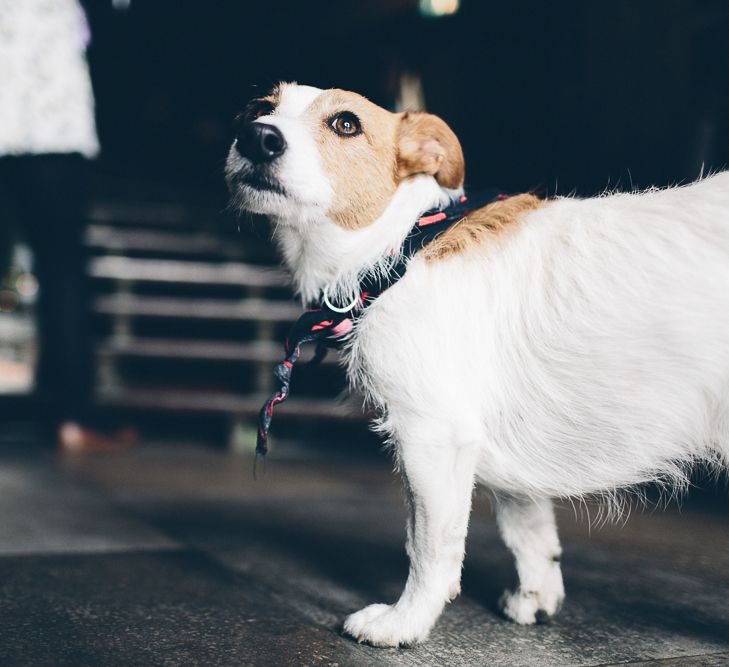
338	100
252	104
273	98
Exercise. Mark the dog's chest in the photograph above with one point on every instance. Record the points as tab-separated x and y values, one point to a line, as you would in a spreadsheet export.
413	346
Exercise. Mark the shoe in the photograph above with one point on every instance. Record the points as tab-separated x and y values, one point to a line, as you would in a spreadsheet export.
74	438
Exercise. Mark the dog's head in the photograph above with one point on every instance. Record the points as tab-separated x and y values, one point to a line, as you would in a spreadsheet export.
302	152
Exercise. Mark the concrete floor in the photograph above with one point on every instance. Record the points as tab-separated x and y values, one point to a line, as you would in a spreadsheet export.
176	556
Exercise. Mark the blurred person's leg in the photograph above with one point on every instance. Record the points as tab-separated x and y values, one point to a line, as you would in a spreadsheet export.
6	239
50	193
8	222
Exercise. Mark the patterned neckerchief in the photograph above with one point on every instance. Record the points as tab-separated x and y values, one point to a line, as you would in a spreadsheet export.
328	324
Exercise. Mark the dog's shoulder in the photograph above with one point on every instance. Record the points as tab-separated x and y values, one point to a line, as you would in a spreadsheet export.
482	225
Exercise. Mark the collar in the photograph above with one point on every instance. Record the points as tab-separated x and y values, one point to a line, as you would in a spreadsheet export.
328	324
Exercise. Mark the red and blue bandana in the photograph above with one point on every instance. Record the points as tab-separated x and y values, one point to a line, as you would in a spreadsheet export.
329	327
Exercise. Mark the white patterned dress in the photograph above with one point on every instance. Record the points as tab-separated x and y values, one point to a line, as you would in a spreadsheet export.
46	99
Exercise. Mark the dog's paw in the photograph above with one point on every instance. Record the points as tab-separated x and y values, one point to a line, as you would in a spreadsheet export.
454	590
529	607
386	625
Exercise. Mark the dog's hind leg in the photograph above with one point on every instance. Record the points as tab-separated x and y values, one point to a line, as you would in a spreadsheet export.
439	480
529	530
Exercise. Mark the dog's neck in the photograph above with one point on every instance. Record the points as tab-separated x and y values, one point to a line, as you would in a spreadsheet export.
319	253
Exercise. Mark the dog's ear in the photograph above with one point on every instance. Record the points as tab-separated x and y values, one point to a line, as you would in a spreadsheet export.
426	145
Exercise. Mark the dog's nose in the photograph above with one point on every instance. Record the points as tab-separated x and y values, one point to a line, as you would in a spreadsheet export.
259	142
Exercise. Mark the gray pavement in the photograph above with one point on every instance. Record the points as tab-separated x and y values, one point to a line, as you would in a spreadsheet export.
176	556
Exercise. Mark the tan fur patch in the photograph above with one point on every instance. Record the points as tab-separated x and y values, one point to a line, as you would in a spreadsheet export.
361	168
482	225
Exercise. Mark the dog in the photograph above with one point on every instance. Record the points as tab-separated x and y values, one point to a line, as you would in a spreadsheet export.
542	348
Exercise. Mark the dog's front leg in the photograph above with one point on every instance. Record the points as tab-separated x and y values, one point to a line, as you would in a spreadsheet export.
439	483
530	531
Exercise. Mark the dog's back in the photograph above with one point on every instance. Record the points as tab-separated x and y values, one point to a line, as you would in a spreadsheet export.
588	346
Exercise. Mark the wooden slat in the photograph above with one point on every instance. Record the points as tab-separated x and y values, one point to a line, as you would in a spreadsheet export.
161	242
184	272
222	402
120	239
205	350
245	310
143	213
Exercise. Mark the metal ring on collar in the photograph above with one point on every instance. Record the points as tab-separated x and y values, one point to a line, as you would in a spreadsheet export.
337	309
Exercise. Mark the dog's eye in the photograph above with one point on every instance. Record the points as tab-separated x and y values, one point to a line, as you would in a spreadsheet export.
256	109
345	124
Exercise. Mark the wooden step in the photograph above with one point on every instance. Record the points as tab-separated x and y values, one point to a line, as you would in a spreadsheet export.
160	242
222	402
204	350
245	310
121	240
186	272
154	214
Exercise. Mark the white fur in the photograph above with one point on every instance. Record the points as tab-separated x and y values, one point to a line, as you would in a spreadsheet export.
322	254
585	350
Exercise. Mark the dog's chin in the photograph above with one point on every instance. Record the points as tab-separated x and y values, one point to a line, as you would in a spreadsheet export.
257	193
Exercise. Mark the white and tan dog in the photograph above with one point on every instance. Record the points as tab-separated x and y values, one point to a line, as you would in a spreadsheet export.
544	349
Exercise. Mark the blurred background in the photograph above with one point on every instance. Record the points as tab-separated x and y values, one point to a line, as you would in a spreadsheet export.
185	305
